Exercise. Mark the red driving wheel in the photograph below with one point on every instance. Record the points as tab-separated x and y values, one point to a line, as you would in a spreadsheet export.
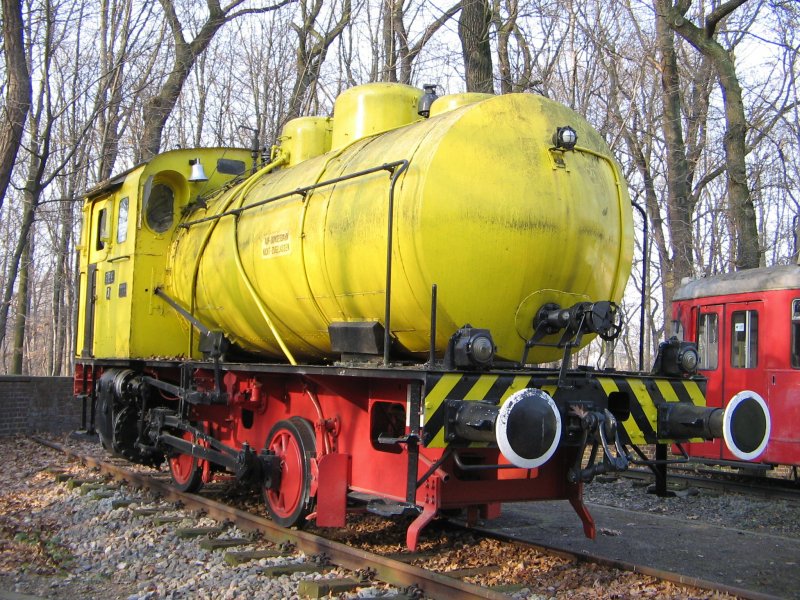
288	497
186	470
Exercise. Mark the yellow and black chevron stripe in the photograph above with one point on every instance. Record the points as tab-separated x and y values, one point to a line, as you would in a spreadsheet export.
644	393
641	394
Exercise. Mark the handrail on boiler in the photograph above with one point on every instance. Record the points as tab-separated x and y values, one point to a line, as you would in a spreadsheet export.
645	266
301	191
395	168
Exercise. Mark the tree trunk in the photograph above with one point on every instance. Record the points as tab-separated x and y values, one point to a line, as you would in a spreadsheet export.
113	34
389	71
62	280
742	210
679	193
748	251
158	108
14	267
18	92
504	29
473	31
23	303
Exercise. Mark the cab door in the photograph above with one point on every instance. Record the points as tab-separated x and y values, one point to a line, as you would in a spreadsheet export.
97	240
743	353
109	270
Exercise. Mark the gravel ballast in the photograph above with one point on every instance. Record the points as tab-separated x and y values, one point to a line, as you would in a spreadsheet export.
56	542
737	511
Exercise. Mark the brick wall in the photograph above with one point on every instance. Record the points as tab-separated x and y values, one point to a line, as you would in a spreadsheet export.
43	404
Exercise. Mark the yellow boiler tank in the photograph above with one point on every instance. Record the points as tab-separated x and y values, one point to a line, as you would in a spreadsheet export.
487	209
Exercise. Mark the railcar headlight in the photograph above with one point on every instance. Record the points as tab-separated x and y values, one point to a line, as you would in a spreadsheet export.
565	138
688	359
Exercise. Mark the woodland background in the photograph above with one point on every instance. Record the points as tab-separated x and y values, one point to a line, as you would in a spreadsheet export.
697	99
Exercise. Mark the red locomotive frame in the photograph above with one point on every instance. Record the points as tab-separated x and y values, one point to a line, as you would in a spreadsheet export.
747	328
338	434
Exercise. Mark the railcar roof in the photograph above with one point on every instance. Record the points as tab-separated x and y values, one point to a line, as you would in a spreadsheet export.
781	277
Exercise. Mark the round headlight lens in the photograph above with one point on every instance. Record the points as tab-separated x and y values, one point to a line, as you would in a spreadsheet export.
688	360
566	138
482	349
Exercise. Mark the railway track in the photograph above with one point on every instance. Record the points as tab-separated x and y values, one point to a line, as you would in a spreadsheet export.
413	581
677	578
393	572
722	481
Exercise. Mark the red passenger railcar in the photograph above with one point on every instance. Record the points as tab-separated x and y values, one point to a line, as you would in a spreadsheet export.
747	328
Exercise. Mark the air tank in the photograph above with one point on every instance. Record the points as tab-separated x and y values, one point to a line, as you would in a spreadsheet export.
487	209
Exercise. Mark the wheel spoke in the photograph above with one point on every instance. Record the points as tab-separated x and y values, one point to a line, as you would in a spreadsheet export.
290	441
186	469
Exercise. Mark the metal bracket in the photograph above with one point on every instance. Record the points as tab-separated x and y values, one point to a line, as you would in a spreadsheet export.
598	427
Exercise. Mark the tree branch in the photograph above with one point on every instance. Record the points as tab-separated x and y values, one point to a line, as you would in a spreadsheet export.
719	13
433	28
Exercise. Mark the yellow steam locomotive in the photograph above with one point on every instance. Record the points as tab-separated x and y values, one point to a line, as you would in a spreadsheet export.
354	318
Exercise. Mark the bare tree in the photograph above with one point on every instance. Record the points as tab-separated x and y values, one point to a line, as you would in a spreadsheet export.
122	27
678	198
18	91
748	253
473	31
312	49
158	108
266	78
50	105
398	46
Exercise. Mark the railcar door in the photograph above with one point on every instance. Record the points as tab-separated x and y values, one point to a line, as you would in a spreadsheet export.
710	338
744	352
782	375
88	311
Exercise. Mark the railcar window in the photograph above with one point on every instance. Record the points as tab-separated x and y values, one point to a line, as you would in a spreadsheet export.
122	221
708	341
796	333
102	229
677	329
160	208
744	339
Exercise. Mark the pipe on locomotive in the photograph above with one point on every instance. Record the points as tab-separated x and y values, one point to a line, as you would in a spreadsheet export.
527	428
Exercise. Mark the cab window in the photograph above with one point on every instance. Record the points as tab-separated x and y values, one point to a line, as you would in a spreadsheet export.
708	341
160	208
122	221
102	229
796	333
744	339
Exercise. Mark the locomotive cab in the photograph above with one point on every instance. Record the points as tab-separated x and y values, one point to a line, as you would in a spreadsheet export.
128	227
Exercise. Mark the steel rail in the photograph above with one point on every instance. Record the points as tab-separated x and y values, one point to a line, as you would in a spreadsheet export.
715	481
400	574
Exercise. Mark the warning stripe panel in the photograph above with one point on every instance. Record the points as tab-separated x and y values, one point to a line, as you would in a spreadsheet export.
644	394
